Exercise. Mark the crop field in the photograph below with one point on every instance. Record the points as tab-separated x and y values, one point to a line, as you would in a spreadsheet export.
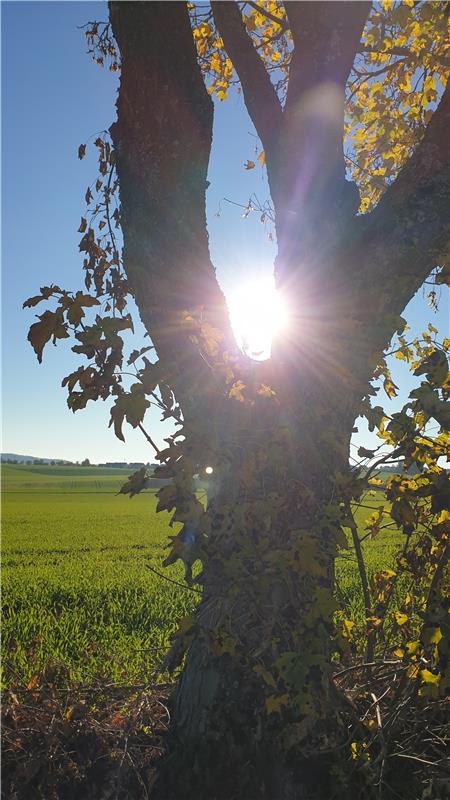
78	598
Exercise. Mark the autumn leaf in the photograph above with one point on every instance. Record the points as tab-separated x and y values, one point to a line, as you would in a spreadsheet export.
46	292
236	390
75	306
431	636
138	481
50	326
81	151
130	406
249	165
265	391
347	628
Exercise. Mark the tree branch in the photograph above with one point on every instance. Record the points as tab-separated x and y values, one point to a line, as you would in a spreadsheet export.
408	233
259	94
261	10
162	140
312	189
404	52
326	36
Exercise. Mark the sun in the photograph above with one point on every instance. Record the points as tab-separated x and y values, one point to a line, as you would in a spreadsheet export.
257	315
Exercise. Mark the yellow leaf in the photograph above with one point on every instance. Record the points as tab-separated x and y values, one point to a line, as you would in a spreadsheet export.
250	22
265	391
412	648
432	635
400	618
347	628
429	677
262	158
236	391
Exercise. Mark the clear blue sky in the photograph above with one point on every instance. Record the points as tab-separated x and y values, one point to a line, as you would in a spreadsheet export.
53	99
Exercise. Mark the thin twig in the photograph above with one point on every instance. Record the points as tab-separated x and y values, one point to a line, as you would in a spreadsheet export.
177	583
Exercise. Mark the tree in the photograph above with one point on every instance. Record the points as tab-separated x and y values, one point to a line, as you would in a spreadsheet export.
255	684
86	463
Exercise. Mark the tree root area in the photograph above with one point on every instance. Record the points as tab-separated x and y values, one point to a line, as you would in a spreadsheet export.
111	742
101	743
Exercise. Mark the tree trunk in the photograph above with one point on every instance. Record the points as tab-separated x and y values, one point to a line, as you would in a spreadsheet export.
264	620
253	698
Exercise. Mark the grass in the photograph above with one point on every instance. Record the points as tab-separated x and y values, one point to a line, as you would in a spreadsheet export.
76	591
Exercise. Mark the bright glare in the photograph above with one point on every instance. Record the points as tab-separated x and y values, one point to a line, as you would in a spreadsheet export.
257	314
209	470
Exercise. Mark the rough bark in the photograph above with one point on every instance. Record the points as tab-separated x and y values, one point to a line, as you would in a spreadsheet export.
222	747
162	139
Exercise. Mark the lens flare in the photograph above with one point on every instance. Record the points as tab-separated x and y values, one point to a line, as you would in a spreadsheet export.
257	314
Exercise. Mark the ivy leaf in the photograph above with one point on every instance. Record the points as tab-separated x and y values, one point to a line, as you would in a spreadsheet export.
50	326
275	702
236	390
347	628
265	675
265	391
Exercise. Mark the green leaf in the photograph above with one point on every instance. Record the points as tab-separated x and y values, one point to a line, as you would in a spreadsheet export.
275	702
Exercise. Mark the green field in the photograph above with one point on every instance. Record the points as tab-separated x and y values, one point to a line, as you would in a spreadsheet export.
77	594
76	590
